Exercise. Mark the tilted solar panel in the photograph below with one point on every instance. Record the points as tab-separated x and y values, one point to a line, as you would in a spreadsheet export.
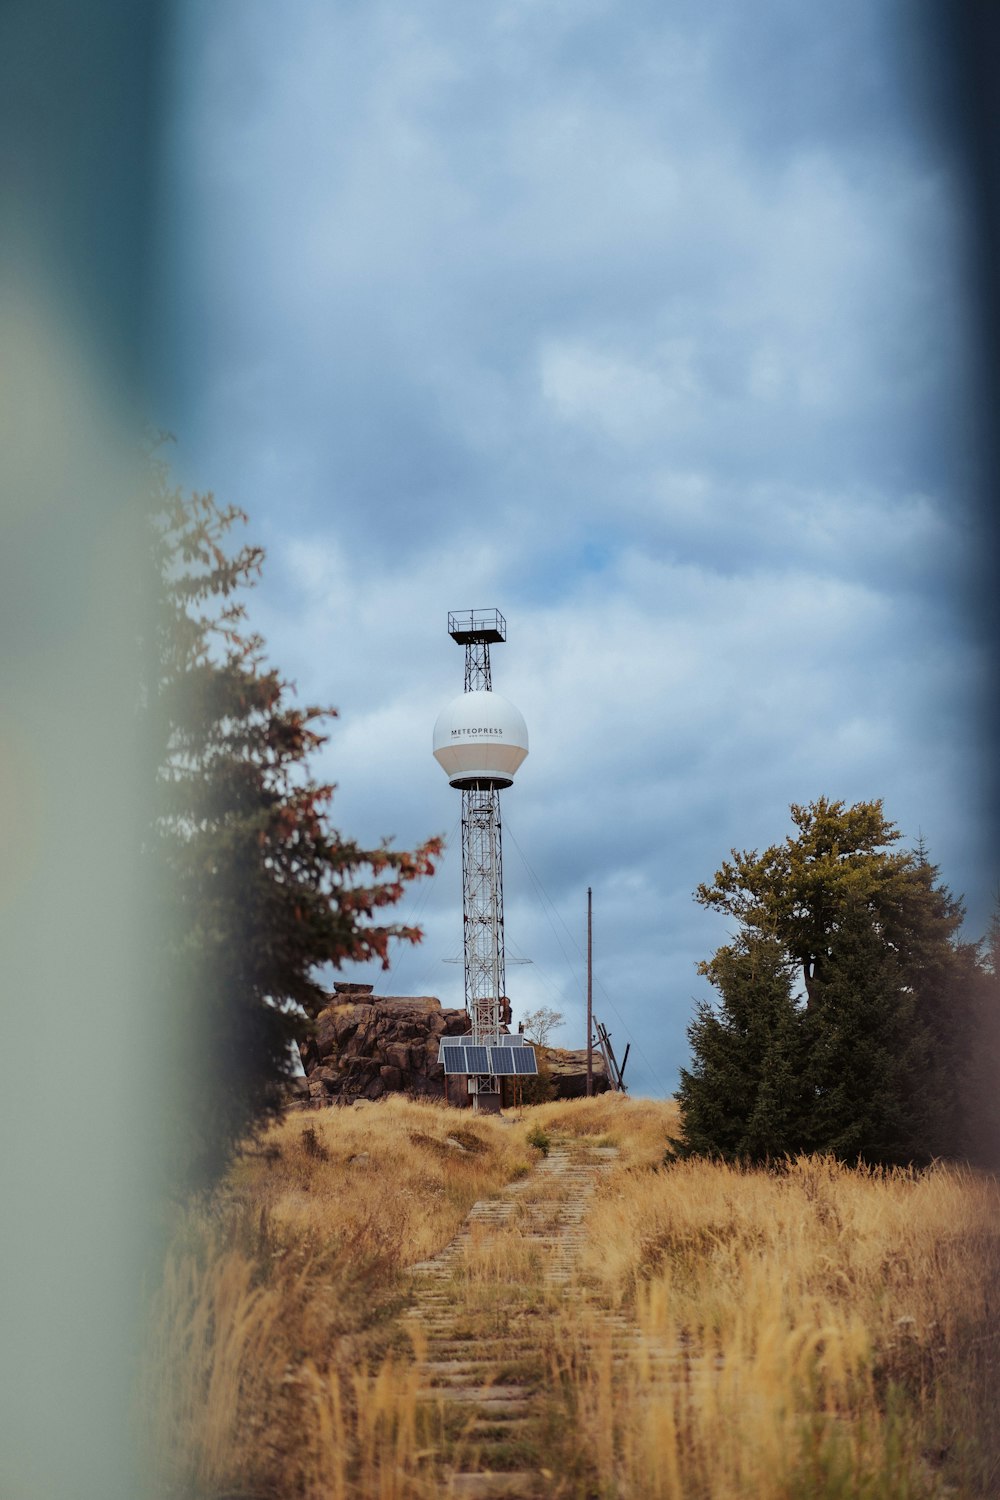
451	1044
511	1056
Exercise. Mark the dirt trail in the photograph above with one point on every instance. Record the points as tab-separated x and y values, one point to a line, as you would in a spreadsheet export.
483	1320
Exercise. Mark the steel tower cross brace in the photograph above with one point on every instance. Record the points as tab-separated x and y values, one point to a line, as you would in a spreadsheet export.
478	673
482	911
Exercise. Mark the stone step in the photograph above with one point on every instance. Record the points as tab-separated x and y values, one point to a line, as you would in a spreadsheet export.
487	1404
514	1485
517	1485
474	1379
505	1354
499	1428
476	1393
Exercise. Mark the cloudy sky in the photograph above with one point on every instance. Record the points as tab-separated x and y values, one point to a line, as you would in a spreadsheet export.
642	323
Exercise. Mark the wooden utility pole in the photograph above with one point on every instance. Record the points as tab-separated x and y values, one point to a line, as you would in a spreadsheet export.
590	995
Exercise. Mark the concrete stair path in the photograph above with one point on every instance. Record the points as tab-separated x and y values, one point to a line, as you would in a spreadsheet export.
484	1366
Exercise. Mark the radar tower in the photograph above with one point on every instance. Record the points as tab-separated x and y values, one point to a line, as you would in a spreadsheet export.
480	739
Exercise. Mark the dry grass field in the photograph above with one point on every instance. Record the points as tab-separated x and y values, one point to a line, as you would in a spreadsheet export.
814	1331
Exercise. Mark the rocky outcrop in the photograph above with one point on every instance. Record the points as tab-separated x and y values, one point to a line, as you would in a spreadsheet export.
365	1046
568	1072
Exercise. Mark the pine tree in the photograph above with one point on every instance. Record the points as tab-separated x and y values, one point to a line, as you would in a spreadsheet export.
259	892
890	1019
867	1062
744	1099
979	1101
943	975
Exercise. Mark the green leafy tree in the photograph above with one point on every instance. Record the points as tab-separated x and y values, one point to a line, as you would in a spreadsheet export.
744	1098
259	891
842	858
887	983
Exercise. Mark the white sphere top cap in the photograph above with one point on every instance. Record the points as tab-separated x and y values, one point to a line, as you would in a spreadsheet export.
480	737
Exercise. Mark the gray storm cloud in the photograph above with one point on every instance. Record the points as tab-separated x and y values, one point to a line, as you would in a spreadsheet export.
644	327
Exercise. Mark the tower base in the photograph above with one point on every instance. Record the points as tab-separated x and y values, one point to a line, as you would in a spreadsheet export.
486	1104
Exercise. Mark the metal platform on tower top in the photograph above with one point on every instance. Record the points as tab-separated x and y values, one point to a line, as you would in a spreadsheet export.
468	626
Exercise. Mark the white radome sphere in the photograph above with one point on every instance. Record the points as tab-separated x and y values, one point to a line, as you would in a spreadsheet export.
480	737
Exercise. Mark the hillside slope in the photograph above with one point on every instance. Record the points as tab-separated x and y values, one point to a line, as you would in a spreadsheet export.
400	1300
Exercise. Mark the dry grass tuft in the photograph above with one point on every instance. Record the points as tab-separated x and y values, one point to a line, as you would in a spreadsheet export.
638	1127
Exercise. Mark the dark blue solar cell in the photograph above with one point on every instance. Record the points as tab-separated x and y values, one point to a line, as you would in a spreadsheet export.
454	1060
502	1060
454	1041
477	1059
524	1060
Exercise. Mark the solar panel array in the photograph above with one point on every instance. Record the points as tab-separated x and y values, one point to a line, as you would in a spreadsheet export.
509	1058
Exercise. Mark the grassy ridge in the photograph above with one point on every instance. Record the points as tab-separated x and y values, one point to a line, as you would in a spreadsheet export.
810	1332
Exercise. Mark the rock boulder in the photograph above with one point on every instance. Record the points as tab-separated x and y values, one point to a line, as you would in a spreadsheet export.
366	1045
568	1072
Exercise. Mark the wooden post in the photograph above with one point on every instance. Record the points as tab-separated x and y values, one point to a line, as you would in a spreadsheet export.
590	995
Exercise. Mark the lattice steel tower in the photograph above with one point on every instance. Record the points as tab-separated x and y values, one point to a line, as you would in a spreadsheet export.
480	739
